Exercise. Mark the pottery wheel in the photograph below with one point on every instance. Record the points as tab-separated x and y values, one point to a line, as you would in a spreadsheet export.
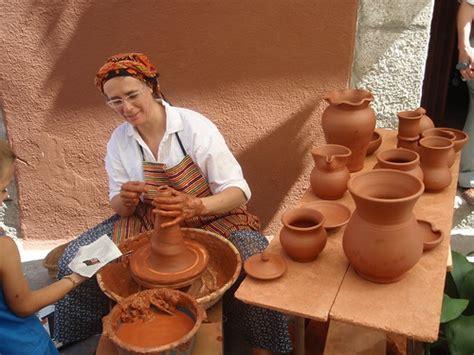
173	272
265	266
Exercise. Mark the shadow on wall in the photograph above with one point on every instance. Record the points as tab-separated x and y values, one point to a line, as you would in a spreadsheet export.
209	52
193	47
276	174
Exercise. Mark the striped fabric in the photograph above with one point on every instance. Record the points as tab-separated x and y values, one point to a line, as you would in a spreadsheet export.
185	177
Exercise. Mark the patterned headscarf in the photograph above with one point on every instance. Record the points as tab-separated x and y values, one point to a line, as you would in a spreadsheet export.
136	65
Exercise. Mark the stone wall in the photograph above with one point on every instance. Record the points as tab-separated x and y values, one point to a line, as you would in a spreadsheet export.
390	55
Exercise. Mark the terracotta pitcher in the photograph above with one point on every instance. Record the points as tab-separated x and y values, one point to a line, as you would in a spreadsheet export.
330	174
349	121
400	159
303	236
381	239
434	154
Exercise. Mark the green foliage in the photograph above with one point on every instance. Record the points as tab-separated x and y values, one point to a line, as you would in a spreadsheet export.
457	314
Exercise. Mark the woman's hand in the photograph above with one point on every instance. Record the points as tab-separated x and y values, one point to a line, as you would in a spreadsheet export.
130	193
177	205
126	201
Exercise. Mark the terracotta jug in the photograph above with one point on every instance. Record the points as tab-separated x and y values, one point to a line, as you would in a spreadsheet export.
434	152
302	235
349	121
409	124
441	132
425	122
400	159
330	174
381	239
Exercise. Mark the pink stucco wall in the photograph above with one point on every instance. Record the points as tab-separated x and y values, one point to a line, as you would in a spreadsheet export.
258	69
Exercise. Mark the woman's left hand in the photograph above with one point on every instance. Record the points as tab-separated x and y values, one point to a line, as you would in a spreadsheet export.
179	206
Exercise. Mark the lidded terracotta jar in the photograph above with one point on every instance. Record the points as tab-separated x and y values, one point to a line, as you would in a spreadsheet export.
330	174
303	236
349	121
400	159
441	132
434	153
381	239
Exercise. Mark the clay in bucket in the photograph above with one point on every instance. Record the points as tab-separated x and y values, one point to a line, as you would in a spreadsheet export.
154	321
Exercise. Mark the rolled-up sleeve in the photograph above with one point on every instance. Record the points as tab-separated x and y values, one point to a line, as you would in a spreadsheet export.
218	164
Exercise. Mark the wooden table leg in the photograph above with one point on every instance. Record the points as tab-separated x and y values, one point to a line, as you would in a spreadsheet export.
299	335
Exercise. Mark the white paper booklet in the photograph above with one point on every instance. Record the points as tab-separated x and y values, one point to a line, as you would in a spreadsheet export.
90	258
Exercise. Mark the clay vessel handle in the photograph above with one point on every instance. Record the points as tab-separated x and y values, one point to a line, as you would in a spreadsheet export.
264	256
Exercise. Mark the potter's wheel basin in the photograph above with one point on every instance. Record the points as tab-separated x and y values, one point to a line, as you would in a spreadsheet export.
224	266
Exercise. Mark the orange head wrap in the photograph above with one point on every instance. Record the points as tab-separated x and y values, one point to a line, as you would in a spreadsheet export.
136	65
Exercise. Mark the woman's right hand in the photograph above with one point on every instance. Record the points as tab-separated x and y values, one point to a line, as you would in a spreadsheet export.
130	193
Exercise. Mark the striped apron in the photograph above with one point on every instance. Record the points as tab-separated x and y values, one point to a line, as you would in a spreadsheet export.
186	177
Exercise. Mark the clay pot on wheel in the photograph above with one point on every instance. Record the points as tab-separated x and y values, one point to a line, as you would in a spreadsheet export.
400	159
381	239
434	153
349	121
330	174
303	237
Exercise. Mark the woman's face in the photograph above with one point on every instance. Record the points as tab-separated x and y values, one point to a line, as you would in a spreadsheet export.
130	97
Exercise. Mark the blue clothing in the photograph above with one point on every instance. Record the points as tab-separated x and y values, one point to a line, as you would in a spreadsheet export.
22	335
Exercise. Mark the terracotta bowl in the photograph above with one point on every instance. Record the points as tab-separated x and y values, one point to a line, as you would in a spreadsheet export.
133	309
51	260
460	140
374	143
224	266
432	237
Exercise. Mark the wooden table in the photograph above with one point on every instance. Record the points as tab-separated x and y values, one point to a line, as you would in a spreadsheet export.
328	288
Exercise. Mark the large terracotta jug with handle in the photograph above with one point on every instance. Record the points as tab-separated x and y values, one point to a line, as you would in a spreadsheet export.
382	239
349	121
329	176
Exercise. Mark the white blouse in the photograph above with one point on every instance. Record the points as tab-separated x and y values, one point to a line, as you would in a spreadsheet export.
201	140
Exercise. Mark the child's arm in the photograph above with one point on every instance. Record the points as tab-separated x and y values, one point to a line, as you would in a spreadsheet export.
20	299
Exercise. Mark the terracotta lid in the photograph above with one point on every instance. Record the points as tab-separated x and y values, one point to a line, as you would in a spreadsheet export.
265	266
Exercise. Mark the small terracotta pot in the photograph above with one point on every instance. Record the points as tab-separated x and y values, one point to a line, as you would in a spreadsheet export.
374	143
381	239
409	123
400	159
408	143
303	237
441	132
330	174
434	152
460	140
